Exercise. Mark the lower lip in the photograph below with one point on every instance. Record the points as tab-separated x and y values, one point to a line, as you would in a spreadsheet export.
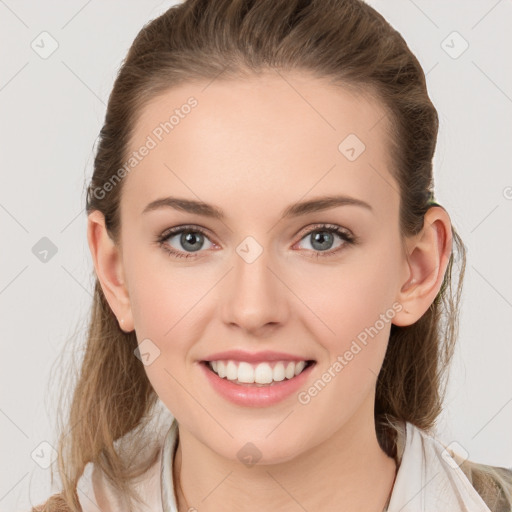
252	396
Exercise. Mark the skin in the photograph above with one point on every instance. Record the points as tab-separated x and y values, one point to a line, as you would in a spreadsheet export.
252	147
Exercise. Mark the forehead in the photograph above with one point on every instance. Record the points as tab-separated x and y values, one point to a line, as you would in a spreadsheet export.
272	137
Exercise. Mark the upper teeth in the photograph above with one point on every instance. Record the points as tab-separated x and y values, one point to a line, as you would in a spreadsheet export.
261	373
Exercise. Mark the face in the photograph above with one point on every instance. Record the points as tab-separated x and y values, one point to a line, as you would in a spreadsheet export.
252	278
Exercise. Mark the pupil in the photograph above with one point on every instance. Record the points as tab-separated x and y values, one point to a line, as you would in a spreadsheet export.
322	236
189	238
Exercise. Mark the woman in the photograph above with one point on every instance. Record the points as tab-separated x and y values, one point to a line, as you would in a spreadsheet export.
272	268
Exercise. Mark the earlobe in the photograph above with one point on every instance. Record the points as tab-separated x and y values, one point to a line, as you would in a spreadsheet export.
108	265
428	257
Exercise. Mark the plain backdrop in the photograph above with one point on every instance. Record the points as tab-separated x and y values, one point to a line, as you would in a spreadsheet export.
52	108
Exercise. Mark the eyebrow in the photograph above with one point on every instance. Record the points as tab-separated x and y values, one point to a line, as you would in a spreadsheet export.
294	210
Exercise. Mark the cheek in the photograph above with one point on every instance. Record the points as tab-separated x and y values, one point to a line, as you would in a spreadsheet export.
349	298
165	318
353	311
162	295
353	331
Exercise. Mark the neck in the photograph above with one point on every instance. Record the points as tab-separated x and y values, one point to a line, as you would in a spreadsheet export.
347	471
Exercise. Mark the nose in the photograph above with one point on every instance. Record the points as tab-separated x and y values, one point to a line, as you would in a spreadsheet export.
255	297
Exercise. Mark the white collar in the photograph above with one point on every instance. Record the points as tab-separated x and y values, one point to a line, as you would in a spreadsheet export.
428	480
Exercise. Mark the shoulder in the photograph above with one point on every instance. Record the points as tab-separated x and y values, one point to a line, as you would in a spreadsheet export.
99	493
55	503
493	484
459	481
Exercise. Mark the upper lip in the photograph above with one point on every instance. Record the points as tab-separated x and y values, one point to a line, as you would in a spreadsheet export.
254	357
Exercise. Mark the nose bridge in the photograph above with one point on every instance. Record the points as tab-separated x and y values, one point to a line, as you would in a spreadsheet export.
256	296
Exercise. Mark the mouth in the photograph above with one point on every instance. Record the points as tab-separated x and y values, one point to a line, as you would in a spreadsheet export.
263	374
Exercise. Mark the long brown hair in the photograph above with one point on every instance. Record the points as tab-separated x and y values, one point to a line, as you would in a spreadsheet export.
345	41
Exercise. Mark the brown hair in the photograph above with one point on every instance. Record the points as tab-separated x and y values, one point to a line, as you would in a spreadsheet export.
347	42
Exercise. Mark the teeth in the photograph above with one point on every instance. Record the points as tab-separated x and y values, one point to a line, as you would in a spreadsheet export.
231	371
290	371
262	373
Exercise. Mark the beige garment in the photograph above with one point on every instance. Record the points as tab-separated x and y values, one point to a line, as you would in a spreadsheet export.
97	495
428	480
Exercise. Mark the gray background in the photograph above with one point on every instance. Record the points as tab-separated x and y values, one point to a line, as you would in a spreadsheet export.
51	112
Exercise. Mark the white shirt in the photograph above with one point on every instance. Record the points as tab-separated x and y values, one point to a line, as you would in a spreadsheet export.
428	480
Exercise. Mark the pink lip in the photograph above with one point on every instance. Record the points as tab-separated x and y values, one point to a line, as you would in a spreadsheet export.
252	396
257	357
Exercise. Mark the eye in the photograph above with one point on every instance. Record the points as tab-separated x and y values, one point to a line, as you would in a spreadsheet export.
322	237
191	238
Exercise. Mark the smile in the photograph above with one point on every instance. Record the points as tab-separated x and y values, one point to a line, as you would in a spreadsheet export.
250	391
242	372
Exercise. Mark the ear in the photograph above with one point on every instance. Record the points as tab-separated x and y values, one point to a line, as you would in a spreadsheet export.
427	257
107	260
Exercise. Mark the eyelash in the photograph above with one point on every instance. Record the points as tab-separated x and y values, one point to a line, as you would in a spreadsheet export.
329	228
